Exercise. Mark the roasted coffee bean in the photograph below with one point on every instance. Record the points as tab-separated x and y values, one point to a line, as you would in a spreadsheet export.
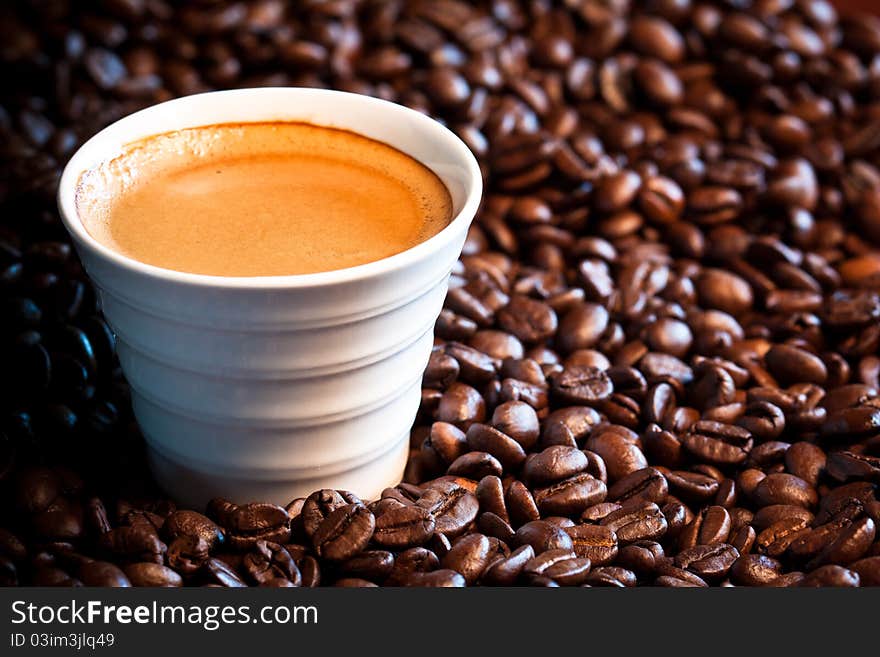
614	576
777	538
527	319
519	421
374	565
152	574
621	457
438	578
443	445
319	505
830	576
134	544
792	365
553	464
647	485
692	486
461	405
572	423
717	443
773	513
582	327
452	509
475	465
490	494
542	536
103	573
192	523
187	554
400	527
710	562
845	466
221	574
755	570
246	524
594	542
520	503
636	522
571	496
345	532
582	385
469	556
868	570
641	557
483	438
850	544
782	488
806	461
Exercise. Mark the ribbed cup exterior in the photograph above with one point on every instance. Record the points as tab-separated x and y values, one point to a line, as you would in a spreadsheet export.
270	388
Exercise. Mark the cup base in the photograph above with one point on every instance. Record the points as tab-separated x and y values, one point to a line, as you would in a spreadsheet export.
194	488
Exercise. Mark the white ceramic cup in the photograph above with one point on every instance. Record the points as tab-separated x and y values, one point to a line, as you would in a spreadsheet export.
268	388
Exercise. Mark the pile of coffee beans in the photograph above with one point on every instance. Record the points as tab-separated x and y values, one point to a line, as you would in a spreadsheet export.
658	360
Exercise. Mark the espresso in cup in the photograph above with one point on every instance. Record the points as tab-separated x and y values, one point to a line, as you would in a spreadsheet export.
261	199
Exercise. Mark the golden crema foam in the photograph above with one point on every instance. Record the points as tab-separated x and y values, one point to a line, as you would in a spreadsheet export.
261	199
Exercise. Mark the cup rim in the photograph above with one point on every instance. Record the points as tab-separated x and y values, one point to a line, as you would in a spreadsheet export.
473	191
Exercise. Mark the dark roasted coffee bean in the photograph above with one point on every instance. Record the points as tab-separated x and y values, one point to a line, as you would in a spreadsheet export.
781	488
103	573
636	522
647	485
868	570
594	542
614	576
519	421
475	465
710	562
717	443
641	557
773	513
621	457
452	509
490	494
561	566
469	556
582	385
571	496
521	505
527	319
791	365
483	438
345	532
755	570
152	574
436	578
850	544
504	571
249	523
553	464
191	523
542	536
187	554
134	544
845	466
777	538
400	527
830	576
806	461
374	565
